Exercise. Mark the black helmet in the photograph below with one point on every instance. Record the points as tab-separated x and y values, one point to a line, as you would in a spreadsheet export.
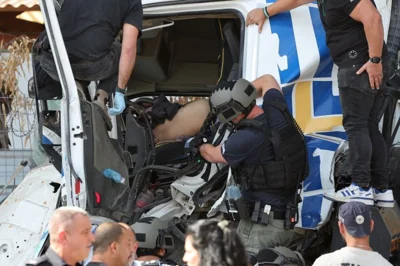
232	98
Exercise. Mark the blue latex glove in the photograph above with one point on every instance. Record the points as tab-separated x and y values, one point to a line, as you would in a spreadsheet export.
114	175
118	104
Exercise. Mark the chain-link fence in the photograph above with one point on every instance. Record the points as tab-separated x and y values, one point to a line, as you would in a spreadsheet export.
17	125
17	113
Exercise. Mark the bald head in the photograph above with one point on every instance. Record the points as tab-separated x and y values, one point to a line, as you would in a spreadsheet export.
130	230
133	244
106	234
63	218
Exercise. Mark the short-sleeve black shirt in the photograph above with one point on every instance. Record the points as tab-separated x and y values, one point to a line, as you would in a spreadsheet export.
89	27
345	37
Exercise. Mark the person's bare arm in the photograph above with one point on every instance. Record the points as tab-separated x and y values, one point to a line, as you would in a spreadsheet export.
128	54
212	154
366	13
257	16
265	83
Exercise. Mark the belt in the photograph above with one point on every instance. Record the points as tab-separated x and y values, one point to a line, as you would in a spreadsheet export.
278	215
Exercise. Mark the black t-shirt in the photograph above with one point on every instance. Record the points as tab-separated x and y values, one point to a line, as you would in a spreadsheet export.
89	27
345	37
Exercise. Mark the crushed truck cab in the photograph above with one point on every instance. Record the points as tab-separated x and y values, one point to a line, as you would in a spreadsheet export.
187	47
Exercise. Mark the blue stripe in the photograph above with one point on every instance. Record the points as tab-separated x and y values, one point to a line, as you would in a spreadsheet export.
282	25
324	101
44	235
326	64
352	192
311	211
344	194
46	141
287	92
348	193
313	181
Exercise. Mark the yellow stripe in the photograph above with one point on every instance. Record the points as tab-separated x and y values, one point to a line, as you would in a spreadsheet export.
304	111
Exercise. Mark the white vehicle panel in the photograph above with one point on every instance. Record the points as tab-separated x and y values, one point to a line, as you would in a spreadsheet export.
25	215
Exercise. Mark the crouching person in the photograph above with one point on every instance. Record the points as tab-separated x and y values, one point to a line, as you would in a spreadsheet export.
267	154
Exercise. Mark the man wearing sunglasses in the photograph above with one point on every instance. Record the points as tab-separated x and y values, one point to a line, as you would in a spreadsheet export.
267	154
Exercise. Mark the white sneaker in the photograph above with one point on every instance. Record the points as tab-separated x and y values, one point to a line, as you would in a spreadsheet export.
383	198
352	193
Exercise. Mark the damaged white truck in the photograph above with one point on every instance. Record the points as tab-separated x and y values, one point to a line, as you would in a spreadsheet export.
186	48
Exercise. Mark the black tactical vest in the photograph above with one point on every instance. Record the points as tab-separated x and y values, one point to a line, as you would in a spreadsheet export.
290	167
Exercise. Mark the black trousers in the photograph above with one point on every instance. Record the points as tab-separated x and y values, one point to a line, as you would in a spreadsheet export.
361	106
104	69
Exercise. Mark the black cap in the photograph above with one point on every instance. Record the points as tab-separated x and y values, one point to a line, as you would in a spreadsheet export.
356	217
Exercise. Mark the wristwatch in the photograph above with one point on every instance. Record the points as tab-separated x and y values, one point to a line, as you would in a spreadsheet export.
375	60
118	89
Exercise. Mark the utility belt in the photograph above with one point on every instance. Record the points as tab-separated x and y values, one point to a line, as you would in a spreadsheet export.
258	212
262	213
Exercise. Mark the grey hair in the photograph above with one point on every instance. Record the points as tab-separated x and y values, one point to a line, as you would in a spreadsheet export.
62	218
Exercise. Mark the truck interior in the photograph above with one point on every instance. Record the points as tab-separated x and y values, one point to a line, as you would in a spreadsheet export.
188	54
185	55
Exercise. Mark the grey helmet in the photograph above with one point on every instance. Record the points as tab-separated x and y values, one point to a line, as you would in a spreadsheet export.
150	233
232	98
280	256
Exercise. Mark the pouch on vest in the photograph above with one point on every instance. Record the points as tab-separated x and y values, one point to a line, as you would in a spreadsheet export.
235	203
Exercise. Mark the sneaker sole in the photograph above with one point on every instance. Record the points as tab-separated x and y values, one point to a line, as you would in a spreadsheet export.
366	201
384	204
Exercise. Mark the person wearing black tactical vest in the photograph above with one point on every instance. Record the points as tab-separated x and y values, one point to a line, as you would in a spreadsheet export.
355	38
267	154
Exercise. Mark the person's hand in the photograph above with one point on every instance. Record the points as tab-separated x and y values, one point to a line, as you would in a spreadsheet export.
118	104
256	16
375	73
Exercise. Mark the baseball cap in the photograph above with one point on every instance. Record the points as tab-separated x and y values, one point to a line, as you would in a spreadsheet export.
356	217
